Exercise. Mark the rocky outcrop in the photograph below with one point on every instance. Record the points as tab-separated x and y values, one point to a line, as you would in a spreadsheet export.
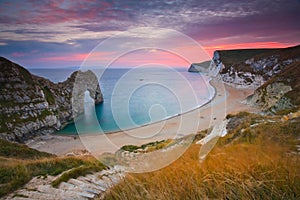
251	68
208	68
200	67
31	105
279	93
271	97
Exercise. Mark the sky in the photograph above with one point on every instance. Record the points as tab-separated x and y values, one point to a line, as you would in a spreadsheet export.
63	33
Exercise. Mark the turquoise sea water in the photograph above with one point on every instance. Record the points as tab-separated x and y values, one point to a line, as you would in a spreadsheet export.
134	98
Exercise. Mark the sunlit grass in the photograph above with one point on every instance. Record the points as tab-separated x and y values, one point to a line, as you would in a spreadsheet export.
261	166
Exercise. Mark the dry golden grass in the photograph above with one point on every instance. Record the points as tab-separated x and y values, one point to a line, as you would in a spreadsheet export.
264	168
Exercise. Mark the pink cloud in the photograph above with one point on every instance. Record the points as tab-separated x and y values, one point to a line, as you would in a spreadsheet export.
18	54
138	58
77	57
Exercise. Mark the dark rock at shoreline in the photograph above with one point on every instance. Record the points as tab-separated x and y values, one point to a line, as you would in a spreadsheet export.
200	67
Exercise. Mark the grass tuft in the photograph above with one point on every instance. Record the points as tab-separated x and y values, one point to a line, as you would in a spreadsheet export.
79	171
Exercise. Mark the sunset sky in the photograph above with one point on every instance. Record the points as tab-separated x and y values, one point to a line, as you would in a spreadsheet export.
61	33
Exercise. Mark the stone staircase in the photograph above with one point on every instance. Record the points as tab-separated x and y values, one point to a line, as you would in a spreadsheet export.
81	188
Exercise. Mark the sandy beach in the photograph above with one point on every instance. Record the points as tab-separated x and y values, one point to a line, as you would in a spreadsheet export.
227	100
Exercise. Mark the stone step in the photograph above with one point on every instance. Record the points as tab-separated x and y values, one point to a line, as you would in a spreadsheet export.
67	186
58	193
107	172
82	188
87	187
70	187
36	195
103	184
90	182
93	182
108	180
93	177
115	178
22	198
86	195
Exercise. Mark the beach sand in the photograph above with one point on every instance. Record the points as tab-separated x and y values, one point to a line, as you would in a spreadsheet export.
227	100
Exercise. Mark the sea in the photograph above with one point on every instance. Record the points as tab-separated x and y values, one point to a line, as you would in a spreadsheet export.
135	97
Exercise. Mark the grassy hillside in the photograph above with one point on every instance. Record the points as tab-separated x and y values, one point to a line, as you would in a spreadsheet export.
236	56
284	53
20	151
262	62
256	160
231	57
19	164
204	64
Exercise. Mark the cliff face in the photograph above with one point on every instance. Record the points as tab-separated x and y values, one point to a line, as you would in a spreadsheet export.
251	68
31	105
281	92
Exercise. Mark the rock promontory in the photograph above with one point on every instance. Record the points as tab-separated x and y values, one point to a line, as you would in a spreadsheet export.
32	105
251	68
200	67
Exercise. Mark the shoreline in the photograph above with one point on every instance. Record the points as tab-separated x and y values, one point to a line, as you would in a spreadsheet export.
151	123
226	99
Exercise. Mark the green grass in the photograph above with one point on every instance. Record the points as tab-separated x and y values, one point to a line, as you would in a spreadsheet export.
49	96
230	57
79	171
3	127
26	75
151	146
20	195
16	173
20	151
130	148
267	129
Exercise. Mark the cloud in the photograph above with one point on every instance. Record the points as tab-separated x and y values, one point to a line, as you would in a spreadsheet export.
56	21
59	32
17	54
60	27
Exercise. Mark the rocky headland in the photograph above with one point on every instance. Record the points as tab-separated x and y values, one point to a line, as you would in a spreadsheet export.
202	67
32	105
273	73
253	67
249	68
